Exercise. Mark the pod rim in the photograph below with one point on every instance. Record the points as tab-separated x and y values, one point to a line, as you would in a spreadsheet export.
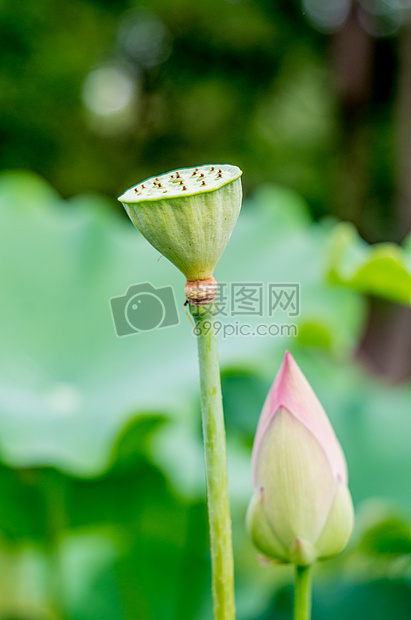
138	193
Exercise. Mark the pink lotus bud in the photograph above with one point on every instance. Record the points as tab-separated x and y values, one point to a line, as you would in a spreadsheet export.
301	509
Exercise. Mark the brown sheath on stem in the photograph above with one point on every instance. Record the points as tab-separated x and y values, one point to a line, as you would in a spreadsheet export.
201	292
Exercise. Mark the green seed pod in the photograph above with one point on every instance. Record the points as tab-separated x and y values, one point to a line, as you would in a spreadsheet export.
188	215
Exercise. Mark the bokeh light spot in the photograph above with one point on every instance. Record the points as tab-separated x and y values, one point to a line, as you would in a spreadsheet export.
107	90
144	38
327	16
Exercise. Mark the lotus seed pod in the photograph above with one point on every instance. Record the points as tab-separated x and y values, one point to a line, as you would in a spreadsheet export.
188	215
301	510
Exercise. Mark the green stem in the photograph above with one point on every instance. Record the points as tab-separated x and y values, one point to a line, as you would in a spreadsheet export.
216	464
302	597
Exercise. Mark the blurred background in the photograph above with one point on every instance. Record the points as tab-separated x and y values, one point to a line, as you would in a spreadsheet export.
102	494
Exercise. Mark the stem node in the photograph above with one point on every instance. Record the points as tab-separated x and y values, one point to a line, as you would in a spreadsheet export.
201	292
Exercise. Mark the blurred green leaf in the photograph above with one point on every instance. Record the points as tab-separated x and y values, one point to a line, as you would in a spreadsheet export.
385	531
121	415
134	440
379	270
390	537
380	599
243	392
68	385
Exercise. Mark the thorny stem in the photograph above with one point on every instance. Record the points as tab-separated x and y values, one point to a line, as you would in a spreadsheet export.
216	463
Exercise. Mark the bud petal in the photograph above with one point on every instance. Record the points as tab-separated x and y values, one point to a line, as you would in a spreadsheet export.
301	510
188	215
292	391
303	553
261	530
340	522
297	480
